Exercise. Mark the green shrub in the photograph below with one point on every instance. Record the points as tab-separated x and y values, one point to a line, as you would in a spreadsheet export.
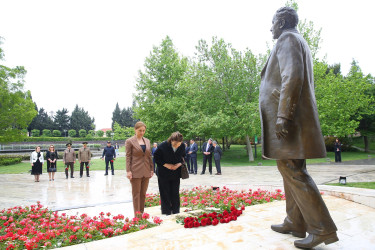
108	133
62	139
56	133
89	137
72	133
82	133
47	133
91	132
9	160
35	133
99	133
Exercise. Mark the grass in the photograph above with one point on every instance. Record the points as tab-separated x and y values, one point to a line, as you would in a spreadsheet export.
358	142
234	157
369	185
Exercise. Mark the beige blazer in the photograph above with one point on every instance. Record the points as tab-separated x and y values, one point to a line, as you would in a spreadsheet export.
138	162
84	154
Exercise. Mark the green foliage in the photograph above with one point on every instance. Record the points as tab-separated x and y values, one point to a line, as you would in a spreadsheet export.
9	160
35	133
46	133
99	133
108	133
159	96
41	121
122	133
62	120
56	133
63	139
341	100
80	119
16	106
72	133
91	132
345	141
89	137
82	133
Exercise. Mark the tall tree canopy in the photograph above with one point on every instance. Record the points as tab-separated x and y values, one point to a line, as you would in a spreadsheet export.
80	119
159	95
16	106
41	121
62	120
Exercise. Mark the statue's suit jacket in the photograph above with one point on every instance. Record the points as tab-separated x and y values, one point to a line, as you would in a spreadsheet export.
287	91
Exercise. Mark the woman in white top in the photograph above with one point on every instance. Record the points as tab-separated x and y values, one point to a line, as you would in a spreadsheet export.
36	161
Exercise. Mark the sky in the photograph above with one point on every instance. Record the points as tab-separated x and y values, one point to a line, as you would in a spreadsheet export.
89	52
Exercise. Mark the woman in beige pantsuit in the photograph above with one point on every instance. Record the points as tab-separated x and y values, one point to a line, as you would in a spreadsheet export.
139	165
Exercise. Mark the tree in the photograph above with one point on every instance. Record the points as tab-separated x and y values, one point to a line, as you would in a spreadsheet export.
62	120
122	133
72	133
35	133
56	133
41	121
80	119
17	109
99	133
82	133
127	119
116	116
158	98
46	133
340	113
221	91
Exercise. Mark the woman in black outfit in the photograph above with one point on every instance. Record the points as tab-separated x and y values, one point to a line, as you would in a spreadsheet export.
337	149
36	161
51	162
169	157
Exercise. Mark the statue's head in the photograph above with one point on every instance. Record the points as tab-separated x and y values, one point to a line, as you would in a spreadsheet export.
284	18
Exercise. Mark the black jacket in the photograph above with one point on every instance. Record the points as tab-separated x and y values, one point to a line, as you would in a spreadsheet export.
109	153
164	154
210	149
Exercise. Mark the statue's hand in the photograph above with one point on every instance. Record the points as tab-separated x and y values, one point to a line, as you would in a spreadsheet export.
281	128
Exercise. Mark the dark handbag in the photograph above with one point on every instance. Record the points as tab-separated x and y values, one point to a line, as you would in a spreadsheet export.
184	171
51	169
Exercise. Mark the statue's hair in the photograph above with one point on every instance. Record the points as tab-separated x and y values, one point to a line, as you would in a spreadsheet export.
289	15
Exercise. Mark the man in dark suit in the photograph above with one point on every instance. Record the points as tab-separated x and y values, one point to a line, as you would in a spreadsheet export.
291	131
217	157
193	157
207	150
109	154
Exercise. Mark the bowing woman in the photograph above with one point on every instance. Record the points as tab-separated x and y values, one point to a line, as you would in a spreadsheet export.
169	157
139	166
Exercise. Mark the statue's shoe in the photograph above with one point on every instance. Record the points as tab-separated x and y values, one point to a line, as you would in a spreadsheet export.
286	229
313	240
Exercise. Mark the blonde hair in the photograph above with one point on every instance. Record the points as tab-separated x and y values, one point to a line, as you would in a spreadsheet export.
175	136
51	146
139	125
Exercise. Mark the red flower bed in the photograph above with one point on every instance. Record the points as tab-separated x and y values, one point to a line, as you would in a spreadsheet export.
220	205
38	227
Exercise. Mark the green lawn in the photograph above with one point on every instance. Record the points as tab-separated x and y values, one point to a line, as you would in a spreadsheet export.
236	156
370	185
358	142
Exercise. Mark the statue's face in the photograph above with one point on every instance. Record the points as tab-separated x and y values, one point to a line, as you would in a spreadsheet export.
276	27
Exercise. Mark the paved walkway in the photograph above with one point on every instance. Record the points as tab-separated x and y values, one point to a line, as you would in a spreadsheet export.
356	222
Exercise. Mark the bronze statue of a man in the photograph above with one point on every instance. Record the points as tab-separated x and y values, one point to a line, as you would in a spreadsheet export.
291	131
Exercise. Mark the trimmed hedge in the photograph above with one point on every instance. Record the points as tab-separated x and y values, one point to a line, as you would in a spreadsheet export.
9	160
64	139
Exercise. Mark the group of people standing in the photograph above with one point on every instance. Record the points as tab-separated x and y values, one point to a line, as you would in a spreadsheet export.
209	148
69	159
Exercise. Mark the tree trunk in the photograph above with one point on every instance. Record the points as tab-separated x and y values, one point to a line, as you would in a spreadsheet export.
226	141
249	149
365	139
223	144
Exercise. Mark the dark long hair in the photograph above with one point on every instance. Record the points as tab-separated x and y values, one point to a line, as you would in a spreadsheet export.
175	136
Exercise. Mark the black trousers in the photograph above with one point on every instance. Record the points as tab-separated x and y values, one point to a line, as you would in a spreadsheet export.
205	158
81	168
67	165
194	165
305	207
106	165
337	156
169	190
217	165
187	161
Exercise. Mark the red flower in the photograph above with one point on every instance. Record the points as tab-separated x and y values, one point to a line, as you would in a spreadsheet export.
196	224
